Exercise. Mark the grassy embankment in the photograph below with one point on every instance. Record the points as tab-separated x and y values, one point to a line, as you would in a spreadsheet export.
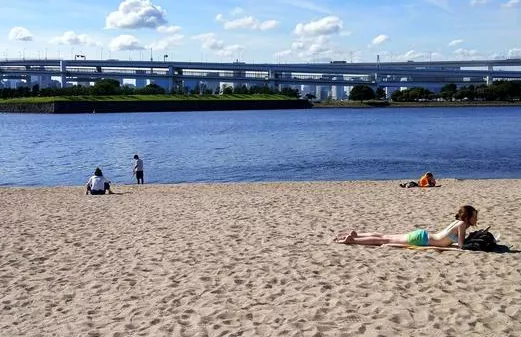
150	103
141	98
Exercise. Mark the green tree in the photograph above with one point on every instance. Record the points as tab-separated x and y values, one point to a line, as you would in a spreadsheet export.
397	96
227	90
448	91
127	90
152	89
35	90
380	93
106	86
290	92
361	93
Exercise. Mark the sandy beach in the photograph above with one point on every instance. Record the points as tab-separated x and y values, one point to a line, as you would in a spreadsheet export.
254	260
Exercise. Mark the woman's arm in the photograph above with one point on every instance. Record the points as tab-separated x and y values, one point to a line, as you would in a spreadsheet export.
461	234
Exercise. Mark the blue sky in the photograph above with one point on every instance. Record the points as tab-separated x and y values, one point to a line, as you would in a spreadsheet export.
261	30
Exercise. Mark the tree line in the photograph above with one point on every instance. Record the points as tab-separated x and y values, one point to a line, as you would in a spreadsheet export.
497	91
110	87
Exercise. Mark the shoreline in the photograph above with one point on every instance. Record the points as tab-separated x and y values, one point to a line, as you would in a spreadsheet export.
155	105
278	182
358	105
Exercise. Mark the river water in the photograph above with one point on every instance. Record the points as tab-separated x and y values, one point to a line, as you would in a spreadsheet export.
277	145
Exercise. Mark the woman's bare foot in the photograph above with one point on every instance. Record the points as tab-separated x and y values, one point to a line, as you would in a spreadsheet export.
345	233
344	239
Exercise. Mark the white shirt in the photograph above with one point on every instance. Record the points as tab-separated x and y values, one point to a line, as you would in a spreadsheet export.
97	183
139	165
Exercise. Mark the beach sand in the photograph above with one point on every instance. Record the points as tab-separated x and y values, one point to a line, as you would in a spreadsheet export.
253	260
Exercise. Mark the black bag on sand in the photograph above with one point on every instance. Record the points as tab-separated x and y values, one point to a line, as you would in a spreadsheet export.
481	240
409	184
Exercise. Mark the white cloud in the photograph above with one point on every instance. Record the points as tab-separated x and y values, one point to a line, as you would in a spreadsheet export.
298	45
283	53
72	38
478	2
312	48
168	29
313	42
510	4
166	43
20	34
345	33
466	53
456	42
413	55
209	41
133	14
514	53
247	22
125	42
378	40
268	24
325	26
230	50
219	18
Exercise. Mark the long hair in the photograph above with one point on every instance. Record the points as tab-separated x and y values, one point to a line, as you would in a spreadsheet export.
465	213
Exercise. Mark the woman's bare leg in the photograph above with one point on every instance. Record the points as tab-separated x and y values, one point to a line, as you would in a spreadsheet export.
354	234
374	240
364	235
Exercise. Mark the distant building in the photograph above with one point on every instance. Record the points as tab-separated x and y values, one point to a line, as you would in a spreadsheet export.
323	92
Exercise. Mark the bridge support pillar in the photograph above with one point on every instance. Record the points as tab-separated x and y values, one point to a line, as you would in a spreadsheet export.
490	77
63	75
170	79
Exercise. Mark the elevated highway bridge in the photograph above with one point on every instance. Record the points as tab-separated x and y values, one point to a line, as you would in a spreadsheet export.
336	73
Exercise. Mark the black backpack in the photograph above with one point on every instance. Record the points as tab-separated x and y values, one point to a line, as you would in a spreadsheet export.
480	240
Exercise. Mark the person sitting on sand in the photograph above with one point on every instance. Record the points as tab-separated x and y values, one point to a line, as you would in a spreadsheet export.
427	180
98	184
454	233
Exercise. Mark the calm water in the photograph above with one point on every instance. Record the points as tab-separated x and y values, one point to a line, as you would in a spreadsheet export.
318	144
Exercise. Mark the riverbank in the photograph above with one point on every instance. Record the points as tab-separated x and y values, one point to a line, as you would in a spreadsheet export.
386	104
254	260
149	103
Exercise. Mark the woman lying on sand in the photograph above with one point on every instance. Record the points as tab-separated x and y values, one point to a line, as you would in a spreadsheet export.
454	233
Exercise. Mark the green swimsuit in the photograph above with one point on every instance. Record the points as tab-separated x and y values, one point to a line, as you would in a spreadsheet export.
419	237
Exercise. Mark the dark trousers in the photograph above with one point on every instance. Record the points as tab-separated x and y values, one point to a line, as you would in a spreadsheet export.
139	177
106	187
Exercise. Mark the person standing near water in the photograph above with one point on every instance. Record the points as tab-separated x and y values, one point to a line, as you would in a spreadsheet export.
138	169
